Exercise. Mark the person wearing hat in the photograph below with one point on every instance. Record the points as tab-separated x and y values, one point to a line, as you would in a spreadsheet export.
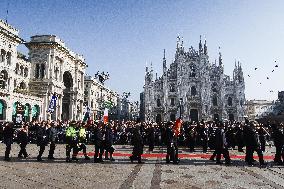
42	139
52	135
71	141
8	139
252	144
137	142
98	140
171	142
151	136
278	139
23	140
108	142
81	131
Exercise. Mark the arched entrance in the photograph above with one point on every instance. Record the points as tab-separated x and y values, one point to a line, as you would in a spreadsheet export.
194	115
216	117
158	118
231	117
172	117
2	110
67	92
18	112
35	112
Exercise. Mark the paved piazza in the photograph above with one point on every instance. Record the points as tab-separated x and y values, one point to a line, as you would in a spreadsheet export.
192	172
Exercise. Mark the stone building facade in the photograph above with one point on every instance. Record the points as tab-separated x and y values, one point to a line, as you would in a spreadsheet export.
256	109
195	87
98	96
27	84
15	72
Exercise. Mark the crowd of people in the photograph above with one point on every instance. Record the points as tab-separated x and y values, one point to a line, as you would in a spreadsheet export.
217	136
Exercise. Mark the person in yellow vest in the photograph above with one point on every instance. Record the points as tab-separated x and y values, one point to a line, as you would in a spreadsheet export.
81	131
71	141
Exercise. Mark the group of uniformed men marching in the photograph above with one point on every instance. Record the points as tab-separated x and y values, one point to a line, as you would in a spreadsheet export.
104	137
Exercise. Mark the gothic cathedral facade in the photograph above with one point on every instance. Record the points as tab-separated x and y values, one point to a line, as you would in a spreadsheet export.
194	88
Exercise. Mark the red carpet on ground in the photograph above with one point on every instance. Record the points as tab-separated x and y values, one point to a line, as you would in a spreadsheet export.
183	156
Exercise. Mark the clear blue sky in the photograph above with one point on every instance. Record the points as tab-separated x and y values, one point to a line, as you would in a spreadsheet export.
121	36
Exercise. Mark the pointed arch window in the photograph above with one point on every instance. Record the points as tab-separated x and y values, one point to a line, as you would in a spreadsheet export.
193	91
215	101
230	101
192	72
158	102
42	73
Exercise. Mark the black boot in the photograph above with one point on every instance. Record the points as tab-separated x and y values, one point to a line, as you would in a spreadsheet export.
101	158
167	158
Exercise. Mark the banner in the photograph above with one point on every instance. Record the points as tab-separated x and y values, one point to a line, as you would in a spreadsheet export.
87	115
177	127
105	118
52	104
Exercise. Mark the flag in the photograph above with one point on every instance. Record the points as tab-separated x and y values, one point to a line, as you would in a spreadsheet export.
52	104
177	127
87	115
105	118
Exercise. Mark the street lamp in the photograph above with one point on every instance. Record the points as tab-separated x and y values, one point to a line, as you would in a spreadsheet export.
102	78
180	108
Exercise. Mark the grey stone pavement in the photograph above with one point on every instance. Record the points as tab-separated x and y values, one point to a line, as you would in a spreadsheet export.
190	173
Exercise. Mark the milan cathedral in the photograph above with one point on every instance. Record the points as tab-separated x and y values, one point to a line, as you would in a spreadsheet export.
194	88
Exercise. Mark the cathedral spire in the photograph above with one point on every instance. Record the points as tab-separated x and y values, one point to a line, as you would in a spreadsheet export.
147	68
200	45
164	62
178	42
205	47
220	57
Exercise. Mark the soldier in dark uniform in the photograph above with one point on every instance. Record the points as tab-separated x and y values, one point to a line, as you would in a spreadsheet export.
252	144
151	136
42	139
109	142
23	140
204	137
221	145
171	142
52	135
138	145
262	133
8	139
278	139
98	139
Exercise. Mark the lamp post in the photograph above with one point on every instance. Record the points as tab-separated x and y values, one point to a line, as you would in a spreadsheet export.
180	108
102	77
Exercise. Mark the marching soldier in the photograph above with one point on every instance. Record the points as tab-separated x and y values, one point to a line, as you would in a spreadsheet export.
252	144
42	139
82	140
171	142
221	146
52	135
98	138
138	145
8	139
71	141
278	139
23	140
109	142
